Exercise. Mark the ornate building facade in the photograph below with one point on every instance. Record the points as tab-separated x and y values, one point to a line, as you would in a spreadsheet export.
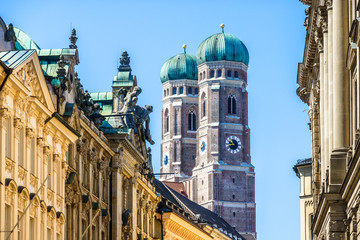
329	83
206	137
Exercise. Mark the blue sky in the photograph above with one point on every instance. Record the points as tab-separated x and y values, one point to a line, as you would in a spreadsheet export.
154	31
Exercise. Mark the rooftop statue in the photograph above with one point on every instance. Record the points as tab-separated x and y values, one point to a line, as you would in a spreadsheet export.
134	116
128	109
73	39
10	34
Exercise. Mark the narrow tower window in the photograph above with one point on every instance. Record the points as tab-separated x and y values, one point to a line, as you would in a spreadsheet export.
192	121
212	73
189	90
219	73
174	90
229	73
231	104
200	76
196	91
181	90
236	74
166	121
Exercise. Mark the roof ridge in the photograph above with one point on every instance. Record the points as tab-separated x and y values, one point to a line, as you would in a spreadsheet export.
181	203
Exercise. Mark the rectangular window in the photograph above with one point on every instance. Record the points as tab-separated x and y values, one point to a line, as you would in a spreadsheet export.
49	232
212	73
181	90
32	229
8	138
219	73
32	156
20	228
21	147
174	90
7	219
49	171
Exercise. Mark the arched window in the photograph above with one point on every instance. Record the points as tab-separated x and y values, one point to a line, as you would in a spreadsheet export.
231	104
164	93
203	105
219	73
229	73
196	91
167	92
236	74
212	73
200	76
204	74
181	90
174	90
189	90
166	121
192	121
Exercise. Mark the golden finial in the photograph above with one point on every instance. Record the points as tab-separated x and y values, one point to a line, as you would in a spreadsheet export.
222	27
184	47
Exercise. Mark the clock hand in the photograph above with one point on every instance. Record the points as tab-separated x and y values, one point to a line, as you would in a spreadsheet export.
231	143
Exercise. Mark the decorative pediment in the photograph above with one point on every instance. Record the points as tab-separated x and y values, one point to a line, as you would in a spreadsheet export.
30	75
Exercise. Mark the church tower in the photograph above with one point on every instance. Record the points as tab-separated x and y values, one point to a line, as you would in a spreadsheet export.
206	137
179	115
223	178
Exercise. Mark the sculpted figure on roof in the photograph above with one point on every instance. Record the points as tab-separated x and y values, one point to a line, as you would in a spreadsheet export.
128	108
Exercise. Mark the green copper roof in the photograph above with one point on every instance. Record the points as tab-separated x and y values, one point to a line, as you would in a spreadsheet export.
12	59
181	66
222	46
101	96
24	41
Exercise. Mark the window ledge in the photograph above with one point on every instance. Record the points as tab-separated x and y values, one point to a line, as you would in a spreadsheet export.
232	116
191	131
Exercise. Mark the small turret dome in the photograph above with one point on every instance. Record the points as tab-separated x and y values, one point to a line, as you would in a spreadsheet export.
222	46
181	66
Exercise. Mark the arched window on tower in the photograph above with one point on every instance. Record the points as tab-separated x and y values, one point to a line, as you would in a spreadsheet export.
236	74
189	90
203	105
219	73
229	73
231	104
164	93
181	90
192	121
212	73
200	76
174	90
166	122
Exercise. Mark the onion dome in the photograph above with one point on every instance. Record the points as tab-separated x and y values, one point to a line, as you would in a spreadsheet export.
222	46
181	66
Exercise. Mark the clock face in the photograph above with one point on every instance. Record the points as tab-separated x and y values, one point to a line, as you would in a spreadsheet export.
202	145
166	160
233	144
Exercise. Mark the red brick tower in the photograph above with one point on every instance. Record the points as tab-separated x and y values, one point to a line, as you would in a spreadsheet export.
223	178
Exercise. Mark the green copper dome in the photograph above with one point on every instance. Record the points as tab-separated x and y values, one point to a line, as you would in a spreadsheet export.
222	46
181	66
